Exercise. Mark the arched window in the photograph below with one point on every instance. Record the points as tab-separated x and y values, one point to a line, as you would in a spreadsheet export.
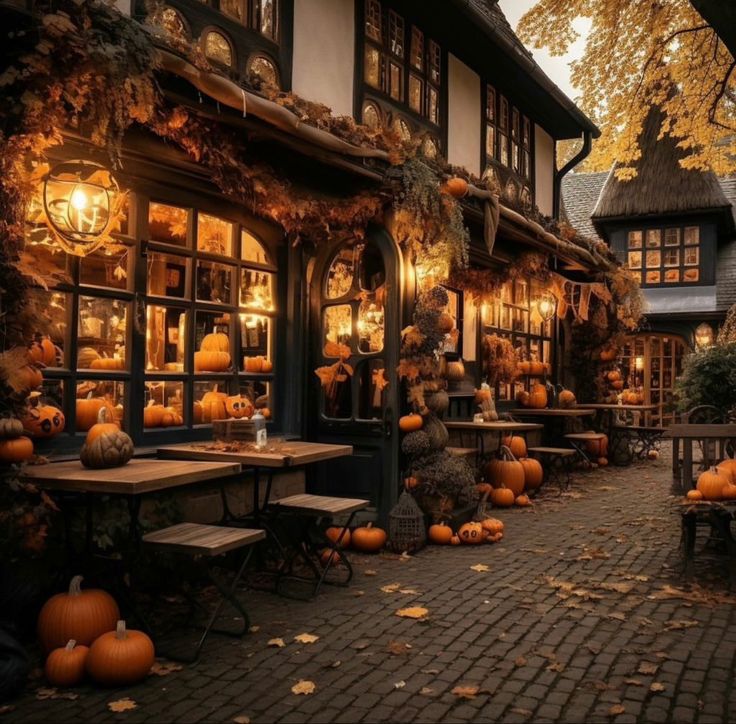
265	70
372	115
218	48
170	21
402	127
430	147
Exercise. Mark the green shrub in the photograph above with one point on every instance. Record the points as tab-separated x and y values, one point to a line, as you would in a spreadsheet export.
709	378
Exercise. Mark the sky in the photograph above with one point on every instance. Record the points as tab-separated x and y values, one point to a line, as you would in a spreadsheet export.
556	68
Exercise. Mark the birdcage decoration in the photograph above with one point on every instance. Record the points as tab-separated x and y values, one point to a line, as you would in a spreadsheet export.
406	526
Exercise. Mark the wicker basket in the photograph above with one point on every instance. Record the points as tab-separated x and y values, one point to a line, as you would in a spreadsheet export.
406	529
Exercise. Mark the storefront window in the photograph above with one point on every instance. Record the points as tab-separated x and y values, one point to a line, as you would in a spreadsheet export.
671	256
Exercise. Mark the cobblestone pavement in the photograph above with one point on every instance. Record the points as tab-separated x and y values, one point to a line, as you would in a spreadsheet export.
580	617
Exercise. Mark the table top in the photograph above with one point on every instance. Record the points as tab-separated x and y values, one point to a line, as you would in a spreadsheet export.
139	476
498	426
616	406
698	432
280	454
554	412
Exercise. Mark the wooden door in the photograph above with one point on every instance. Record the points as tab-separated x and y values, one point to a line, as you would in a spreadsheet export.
355	301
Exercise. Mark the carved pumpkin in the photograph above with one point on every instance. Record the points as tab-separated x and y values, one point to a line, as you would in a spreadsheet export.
711	484
456	186
238	406
213	405
523	501
335	534
533	473
440	534
43	350
16	449
153	414
516	444
727	466
538	397
120	657
694	495
88	410
26	378
502	497
566	399
106	445
41	420
215	342
411	422
211	361
82	615
369	539
10	427
65	666
506	472
471	533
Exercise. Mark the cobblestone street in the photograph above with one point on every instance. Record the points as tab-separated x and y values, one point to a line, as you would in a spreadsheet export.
581	616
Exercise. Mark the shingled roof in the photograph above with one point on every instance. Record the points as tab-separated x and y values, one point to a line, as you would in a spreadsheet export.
580	192
647	195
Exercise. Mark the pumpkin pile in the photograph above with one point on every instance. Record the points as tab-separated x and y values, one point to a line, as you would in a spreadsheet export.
633	397
717	483
15	447
366	539
566	399
82	634
508	476
487	530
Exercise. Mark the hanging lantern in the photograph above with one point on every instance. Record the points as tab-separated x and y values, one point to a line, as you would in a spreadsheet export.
703	335
546	306
81	200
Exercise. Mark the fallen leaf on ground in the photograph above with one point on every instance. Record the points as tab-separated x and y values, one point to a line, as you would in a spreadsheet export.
647	667
556	666
520	661
412	612
370	572
431	672
661	655
480	567
254	629
335	664
358	594
306	638
679	624
242	719
399	684
521	712
408	591
465	692
391	587
360	644
279	643
53	693
303	687
396	648
426	691
617	616
164	668
656	686
633	682
616	709
694	594
125	704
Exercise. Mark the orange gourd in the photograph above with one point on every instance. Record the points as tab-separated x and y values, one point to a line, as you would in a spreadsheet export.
335	534
608	354
728	467
538	397
533	473
211	361
253	364
411	422
215	342
455	541
597	448
536	368
617	385
411	482
120	657
566	399
103	426
171	417
694	495
711	484
523	501
41	420
197	412
613	376
16	449
440	533
153	415
369	539
65	666
502	497
88	410
82	615
602	462
506	472
522	397
471	533
107	363
729	491
213	405
266	365
331	556
456	186
516	444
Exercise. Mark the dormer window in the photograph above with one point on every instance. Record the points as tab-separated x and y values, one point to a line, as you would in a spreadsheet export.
670	255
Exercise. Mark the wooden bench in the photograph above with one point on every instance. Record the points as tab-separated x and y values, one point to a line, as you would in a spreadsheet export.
305	536
559	463
206	542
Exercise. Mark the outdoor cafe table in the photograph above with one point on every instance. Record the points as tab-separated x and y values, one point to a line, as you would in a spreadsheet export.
689	434
608	412
499	426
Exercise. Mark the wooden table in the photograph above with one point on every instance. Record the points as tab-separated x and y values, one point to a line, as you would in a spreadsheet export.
554	412
719	434
500	427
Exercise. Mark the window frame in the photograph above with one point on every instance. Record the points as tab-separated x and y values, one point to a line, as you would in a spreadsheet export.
651	242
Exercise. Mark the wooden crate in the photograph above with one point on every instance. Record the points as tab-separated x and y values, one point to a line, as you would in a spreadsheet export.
234	429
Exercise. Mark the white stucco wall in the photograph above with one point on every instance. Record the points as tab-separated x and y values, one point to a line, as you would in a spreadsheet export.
464	122
124	6
324	53
544	170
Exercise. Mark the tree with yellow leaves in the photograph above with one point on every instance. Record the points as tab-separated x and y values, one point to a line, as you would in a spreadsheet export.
644	53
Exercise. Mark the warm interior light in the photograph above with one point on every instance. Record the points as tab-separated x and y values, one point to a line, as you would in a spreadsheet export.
703	336
79	199
546	306
639	364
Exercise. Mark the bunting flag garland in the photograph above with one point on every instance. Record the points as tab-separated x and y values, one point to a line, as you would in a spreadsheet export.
577	296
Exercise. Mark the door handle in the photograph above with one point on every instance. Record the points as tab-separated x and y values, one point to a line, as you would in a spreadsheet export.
388	418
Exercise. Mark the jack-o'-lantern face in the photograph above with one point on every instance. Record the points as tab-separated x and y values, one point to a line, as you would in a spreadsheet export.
238	406
44	421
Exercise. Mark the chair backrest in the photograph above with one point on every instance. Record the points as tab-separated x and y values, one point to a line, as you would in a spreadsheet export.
703	415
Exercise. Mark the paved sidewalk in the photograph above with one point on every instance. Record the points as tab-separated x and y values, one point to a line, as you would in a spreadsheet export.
576	620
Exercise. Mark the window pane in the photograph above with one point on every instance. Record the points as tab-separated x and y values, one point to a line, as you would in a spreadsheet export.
233	8
371	375
109	267
526	140
691	275
503	149
433	105
490	141
101	334
417	49
214	282
654	238
255	341
635	239
415	93
435	62
93	395
373	19
634	260
167	275
654	259
672	257
209	401
251	249
396	34
672	276
371	116
372	71
342	271
692	256
259	393
515	156
430	147
217	48
256	289
653	277
370	326
692	235
163	404
167	224
337	330
671	237
265	70
214	235
212	334
166	333
395	74
57	308
504	117
491	104
267	18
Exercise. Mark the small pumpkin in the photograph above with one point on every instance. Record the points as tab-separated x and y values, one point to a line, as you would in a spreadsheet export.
78	614
107	363
16	449
502	497
43	350
602	462
153	414
694	495
455	541
483	488
617	385
536	368
538	397
471	533
171	417
522	397
120	657
456	186
215	342
525	367
533	473
335	534
253	364
711	484
613	376
88	410
238	406
608	354
516	444
213	405
266	365
597	448
42	421
492	525
411	482
727	466
653	455
369	539
106	445
440	533
522	501
506	472
211	361
566	399
10	427
65	666
411	422
331	556
86	356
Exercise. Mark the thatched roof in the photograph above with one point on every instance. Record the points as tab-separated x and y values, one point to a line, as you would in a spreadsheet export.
661	186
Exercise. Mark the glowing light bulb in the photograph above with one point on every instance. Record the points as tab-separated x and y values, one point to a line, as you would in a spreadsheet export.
79	199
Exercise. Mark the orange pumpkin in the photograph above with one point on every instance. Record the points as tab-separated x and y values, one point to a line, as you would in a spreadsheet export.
266	365
213	405
617	385
566	399
335	534
538	397
608	354
597	448
107	363
536	368
238	406
82	615
103	426
694	495
711	484
729	491
522	397
253	364
492	525
171	417
456	186
153	414
502	497
440	533
653	455
613	376
88	410
215	342
445	322
602	462
455	541
525	366
42	421
523	501
16	449
506	472
516	444
728	467
43	350
411	422
211	361
65	666
483	488
533	473
120	657
369	539
197	412
331	556
471	533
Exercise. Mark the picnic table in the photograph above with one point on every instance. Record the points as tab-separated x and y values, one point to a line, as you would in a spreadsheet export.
481	428
713	438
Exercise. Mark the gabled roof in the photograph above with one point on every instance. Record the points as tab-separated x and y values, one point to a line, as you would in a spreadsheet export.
580	192
662	186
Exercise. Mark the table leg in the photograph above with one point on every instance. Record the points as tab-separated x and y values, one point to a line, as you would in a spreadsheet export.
675	458
686	477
